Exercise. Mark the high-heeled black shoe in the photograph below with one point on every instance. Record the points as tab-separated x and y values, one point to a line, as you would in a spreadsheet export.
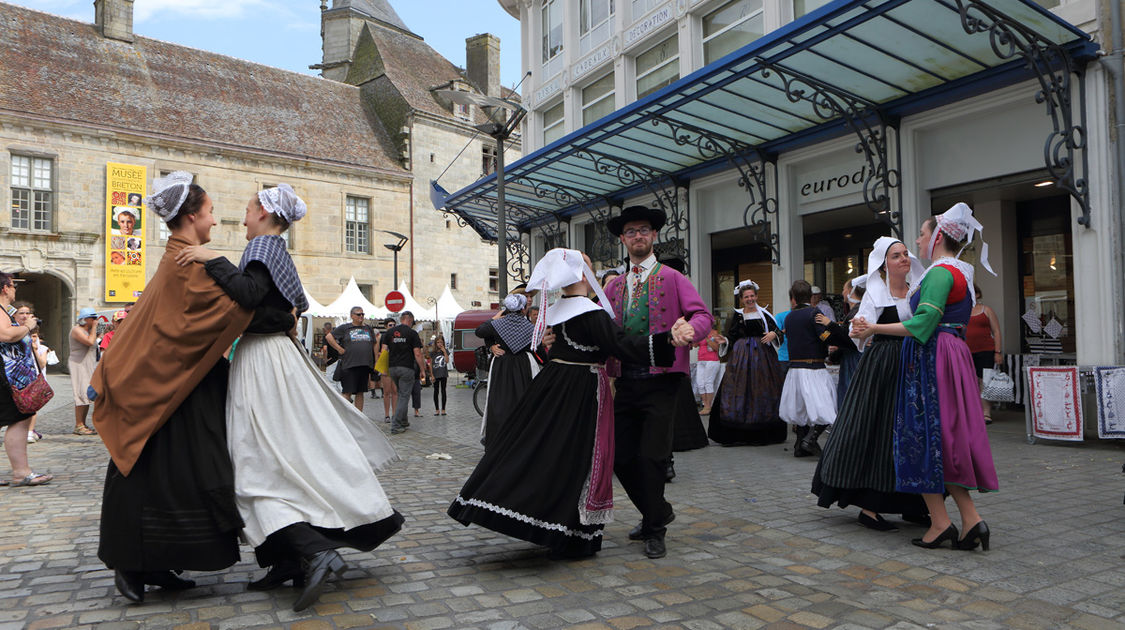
949	534
977	534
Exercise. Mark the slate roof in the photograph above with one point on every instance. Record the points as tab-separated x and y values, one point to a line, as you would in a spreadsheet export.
379	9
64	69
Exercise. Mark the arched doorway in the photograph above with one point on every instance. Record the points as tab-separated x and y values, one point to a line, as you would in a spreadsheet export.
53	300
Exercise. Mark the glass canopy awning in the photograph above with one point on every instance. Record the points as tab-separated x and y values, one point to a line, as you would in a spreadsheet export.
850	67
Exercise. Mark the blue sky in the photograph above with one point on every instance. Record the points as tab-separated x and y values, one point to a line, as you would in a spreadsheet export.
286	33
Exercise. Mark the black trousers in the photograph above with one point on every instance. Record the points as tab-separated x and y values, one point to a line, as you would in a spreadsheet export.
645	416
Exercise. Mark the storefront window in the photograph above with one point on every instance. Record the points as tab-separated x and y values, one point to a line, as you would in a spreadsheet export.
658	66
553	124
731	27
1047	277
804	7
597	99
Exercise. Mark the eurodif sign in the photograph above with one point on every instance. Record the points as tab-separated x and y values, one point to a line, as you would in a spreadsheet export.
831	182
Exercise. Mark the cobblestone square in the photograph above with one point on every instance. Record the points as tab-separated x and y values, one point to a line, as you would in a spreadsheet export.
749	549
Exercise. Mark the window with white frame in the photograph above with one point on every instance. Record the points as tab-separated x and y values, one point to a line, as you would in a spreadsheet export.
594	23
802	7
553	127
731	27
285	234
658	66
552	28
597	99
32	192
357	225
640	7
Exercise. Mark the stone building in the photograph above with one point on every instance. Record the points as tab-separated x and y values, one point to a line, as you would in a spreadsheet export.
359	145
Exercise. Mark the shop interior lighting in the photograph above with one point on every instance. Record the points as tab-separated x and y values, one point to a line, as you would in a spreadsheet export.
1044	184
1052	265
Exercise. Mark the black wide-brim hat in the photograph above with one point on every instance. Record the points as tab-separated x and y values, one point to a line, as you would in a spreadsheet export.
655	217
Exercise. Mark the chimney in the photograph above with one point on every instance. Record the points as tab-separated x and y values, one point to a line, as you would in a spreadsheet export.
114	19
482	61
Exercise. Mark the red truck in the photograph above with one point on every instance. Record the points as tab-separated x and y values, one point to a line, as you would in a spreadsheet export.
465	342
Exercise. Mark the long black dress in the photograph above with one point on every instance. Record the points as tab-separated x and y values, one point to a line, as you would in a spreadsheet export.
856	466
530	482
746	403
182	488
508	379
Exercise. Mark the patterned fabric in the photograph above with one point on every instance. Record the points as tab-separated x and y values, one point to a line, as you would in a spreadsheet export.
917	430
596	502
1056	404
515	330
19	362
752	384
270	251
1111	402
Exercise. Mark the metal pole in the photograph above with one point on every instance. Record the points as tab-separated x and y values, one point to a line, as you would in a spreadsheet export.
501	218
395	287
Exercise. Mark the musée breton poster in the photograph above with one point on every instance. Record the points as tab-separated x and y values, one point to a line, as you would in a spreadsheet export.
124	241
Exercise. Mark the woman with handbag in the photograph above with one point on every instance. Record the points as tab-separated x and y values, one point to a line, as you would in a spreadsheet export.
25	312
983	336
22	388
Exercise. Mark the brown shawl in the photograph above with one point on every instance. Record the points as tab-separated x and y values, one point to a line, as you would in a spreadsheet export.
180	327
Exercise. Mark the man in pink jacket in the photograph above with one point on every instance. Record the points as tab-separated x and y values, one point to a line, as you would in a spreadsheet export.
648	298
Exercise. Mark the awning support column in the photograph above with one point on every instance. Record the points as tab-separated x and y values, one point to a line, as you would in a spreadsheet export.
1053	66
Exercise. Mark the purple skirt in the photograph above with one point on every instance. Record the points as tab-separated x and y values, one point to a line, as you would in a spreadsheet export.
939	432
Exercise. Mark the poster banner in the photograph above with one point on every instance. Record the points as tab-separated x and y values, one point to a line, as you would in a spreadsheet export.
1111	402
1056	404
124	228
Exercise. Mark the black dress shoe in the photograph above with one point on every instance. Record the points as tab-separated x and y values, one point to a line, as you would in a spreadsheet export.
977	534
130	584
167	580
654	547
637	533
878	523
317	570
949	534
278	575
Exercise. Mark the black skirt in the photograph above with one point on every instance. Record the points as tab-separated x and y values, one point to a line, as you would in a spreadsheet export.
857	464
529	483
9	413
688	433
176	508
507	381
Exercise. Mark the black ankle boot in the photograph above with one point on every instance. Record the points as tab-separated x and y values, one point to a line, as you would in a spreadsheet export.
809	445
802	433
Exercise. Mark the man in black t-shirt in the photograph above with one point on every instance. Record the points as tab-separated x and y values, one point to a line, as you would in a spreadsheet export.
404	351
356	344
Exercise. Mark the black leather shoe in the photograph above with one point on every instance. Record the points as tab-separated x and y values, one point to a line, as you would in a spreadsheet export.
318	568
878	523
654	547
977	534
949	534
167	580
637	533
278	575
130	584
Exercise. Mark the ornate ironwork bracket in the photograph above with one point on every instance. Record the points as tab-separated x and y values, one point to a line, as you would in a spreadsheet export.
760	215
605	250
1052	66
870	125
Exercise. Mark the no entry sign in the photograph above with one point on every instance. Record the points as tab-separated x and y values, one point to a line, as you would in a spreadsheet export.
394	301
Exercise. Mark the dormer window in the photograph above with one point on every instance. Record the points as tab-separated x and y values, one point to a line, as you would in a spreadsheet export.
461	111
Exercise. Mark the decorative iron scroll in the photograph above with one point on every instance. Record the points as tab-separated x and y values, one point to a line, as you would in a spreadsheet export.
866	120
1052	66
605	249
760	215
519	260
673	237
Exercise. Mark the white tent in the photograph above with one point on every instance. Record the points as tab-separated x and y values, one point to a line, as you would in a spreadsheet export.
421	313
446	311
351	297
314	307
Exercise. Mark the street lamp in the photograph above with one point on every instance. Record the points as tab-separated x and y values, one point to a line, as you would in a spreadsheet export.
396	248
500	130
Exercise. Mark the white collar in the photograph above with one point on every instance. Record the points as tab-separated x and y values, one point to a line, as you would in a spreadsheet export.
965	268
566	308
646	265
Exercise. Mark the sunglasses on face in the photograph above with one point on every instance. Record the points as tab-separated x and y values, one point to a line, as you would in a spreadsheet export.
357	314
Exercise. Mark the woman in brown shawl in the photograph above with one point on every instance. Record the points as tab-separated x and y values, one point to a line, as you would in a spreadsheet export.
161	390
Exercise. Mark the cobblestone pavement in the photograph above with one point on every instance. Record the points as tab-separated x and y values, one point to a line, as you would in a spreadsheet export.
749	549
